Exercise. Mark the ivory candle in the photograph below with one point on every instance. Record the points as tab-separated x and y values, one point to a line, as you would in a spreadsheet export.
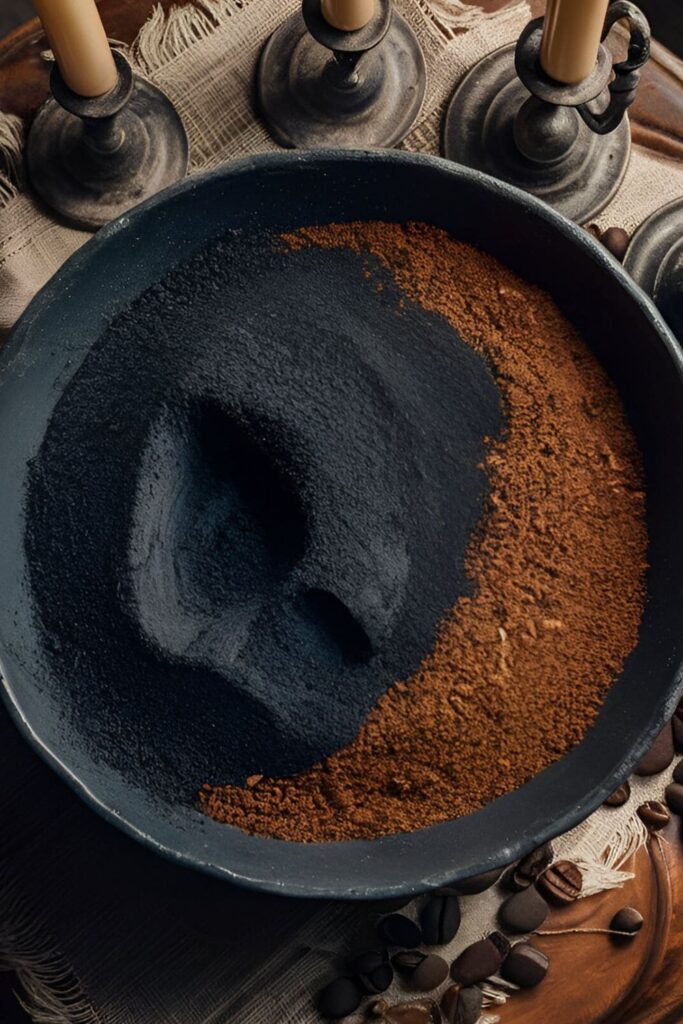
571	36
77	38
347	15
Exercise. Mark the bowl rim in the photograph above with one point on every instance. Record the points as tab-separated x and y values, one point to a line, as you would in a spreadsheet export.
662	709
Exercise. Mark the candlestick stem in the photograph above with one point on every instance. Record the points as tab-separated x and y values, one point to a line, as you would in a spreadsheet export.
343	69
319	86
104	137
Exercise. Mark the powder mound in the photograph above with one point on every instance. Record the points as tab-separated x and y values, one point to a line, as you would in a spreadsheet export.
241	500
520	666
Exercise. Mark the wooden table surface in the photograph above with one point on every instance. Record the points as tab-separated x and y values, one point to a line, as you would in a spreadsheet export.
592	979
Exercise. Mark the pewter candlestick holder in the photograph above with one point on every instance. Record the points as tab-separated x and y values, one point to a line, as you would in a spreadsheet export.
654	259
567	144
92	158
321	87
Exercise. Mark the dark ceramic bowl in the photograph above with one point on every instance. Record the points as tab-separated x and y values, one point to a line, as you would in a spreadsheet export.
282	192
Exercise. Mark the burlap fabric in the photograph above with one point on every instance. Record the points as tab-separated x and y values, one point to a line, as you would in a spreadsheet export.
100	930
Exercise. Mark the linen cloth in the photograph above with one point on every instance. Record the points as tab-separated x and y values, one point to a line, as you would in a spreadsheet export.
99	929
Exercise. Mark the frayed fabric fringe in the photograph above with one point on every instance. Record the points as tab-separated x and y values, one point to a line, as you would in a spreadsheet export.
166	35
453	17
50	992
603	869
11	157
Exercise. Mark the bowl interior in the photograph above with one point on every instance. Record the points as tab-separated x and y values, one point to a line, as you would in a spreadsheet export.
285	192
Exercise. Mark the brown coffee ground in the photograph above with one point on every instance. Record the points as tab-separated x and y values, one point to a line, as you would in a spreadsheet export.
519	670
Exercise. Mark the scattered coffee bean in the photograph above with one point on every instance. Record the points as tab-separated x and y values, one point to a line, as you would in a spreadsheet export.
620	795
480	960
372	970
430	974
422	1012
678	772
660	755
654	814
677	726
525	966
423	971
440	920
500	942
673	795
628	919
474	885
520	876
461	1005
340	998
594	230
561	883
406	961
616	240
397	930
523	912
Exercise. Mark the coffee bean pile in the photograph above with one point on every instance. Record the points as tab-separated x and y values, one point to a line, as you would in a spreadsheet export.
537	882
533	883
522	875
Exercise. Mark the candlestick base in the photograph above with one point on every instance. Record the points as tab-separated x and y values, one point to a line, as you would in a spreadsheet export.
479	131
567	144
91	159
654	259
319	87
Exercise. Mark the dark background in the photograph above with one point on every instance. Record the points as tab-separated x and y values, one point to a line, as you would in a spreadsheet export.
12	12
666	18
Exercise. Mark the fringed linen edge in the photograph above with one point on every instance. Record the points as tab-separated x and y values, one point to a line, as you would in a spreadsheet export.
167	35
51	994
454	17
12	180
606	870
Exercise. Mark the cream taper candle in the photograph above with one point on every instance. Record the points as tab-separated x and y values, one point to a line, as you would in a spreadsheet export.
571	36
347	15
77	38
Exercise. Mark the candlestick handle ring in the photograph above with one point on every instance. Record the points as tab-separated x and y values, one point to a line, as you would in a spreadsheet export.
626	79
566	143
91	158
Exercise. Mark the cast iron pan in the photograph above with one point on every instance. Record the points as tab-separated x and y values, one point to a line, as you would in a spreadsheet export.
283	192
